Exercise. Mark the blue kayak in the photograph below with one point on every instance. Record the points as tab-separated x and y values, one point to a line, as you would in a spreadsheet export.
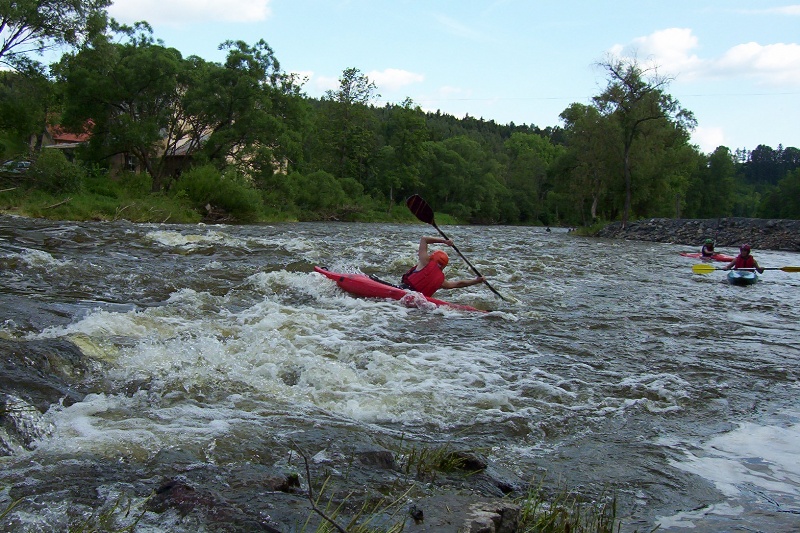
742	277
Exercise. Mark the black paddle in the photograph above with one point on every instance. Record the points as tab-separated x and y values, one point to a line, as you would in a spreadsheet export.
423	211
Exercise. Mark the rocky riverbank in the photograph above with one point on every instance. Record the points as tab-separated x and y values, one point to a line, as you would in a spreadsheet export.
764	234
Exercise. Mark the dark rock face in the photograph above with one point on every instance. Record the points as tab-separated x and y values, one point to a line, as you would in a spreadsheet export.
33	376
42	372
764	234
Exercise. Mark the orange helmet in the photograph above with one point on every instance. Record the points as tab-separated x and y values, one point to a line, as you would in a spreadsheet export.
440	257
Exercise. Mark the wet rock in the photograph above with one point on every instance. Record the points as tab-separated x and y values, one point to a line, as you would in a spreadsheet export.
489	518
376	457
34	375
187	499
469	461
499	481
43	372
33	315
20	424
463	513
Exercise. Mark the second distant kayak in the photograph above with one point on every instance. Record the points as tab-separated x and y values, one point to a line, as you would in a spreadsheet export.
715	257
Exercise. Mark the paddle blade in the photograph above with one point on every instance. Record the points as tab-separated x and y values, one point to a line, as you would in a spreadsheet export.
790	269
420	208
703	268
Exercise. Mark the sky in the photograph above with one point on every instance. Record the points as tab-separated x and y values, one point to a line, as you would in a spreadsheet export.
734	63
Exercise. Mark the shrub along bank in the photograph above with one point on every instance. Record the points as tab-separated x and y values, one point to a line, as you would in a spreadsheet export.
58	189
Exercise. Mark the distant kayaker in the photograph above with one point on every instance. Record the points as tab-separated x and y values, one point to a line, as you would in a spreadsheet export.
708	248
427	275
744	260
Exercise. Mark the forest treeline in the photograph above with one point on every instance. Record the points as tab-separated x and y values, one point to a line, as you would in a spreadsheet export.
241	139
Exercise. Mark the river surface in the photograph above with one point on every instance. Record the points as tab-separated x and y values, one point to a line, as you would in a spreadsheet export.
611	367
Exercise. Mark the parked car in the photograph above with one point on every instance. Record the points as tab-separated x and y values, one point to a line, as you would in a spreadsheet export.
13	166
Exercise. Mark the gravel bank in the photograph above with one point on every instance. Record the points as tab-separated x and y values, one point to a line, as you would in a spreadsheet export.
764	234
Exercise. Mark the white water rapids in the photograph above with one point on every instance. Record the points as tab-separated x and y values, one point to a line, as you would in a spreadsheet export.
612	366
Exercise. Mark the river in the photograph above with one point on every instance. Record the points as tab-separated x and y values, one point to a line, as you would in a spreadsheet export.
612	367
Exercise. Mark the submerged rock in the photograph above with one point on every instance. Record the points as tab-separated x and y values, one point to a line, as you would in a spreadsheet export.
34	375
43	372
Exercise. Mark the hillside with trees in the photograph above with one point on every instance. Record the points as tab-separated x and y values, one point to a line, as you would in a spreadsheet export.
168	137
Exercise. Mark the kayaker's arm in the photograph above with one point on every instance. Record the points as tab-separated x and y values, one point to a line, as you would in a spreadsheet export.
422	252
462	283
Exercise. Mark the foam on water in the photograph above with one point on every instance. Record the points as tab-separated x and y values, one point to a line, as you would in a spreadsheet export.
334	353
138	426
39	258
751	462
189	240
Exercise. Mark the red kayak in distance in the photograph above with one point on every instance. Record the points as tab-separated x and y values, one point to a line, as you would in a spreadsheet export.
362	285
715	257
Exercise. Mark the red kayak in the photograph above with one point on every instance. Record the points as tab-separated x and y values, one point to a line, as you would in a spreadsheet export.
715	257
361	285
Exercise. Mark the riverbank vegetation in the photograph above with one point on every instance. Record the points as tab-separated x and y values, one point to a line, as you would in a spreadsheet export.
156	136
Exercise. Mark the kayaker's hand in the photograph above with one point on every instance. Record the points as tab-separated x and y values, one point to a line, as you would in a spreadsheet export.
448	242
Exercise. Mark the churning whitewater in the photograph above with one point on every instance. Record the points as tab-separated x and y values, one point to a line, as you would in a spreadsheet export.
612	367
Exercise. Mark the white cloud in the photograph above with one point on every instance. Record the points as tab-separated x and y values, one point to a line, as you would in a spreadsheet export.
709	138
321	84
774	64
389	79
672	51
783	10
179	12
787	10
393	79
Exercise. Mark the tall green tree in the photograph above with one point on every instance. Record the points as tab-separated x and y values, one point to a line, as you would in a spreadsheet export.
346	126
529	158
24	103
585	172
243	112
128	92
399	160
635	99
31	27
763	166
784	200
713	189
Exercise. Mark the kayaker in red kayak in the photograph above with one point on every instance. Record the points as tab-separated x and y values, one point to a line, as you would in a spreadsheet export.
744	260
708	248
427	275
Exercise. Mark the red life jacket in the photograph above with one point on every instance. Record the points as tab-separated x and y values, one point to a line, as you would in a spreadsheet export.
427	281
744	262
